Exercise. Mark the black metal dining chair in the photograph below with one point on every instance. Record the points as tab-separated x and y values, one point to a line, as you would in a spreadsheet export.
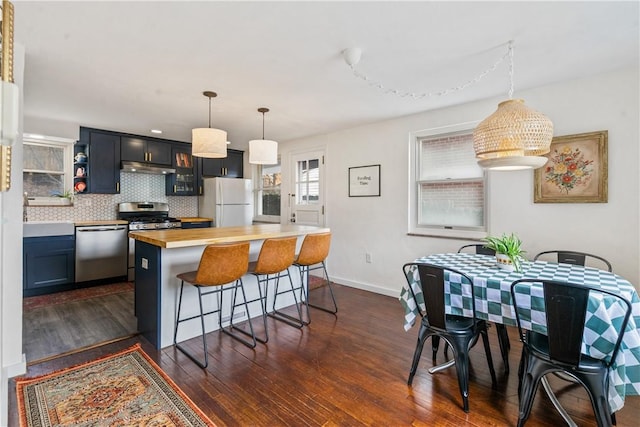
479	248
572	257
559	351
461	333
501	330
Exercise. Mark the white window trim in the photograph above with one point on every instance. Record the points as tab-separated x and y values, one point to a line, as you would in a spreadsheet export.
434	231
257	198
67	144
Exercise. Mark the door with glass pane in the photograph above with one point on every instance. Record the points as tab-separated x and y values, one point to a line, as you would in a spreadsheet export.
307	200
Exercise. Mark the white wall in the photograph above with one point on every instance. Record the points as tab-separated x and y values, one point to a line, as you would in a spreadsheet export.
11	357
378	225
49	127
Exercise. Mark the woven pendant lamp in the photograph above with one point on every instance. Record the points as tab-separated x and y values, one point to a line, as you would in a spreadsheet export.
514	136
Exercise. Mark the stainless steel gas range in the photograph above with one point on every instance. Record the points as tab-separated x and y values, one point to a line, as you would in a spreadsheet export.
144	216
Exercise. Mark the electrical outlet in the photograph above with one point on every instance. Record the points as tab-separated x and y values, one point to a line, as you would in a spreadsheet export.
367	257
144	264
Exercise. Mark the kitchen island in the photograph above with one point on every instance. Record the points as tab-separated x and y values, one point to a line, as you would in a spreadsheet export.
162	254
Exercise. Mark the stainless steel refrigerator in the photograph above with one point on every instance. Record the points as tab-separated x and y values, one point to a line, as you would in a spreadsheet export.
229	201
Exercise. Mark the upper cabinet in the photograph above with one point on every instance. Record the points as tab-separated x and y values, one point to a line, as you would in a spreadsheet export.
229	167
145	151
102	157
100	153
183	181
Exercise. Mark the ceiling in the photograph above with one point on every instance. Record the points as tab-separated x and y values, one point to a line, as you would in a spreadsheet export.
136	66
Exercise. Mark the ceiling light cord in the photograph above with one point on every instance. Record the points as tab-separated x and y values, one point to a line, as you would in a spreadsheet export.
413	95
510	52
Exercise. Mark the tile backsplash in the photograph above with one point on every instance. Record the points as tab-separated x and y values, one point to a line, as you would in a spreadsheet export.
134	187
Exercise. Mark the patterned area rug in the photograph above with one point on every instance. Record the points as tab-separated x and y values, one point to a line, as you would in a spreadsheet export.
124	389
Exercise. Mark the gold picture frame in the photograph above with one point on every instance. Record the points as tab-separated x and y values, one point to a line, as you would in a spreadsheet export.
576	171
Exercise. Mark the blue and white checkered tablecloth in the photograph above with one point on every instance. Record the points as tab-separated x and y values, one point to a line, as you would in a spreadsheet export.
493	303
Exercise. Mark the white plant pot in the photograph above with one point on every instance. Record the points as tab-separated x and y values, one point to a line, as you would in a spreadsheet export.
504	262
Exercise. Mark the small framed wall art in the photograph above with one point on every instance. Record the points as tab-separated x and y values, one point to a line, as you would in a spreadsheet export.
364	181
576	171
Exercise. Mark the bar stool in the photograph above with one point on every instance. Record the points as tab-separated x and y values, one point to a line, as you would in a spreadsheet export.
275	258
220	265
312	256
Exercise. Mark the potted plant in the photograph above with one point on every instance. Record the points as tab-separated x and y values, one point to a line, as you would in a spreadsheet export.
508	251
66	196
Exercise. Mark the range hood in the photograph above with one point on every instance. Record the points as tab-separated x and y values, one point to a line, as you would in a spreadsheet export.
150	168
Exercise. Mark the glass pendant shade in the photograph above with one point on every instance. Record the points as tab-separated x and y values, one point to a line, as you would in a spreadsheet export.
513	137
263	152
209	142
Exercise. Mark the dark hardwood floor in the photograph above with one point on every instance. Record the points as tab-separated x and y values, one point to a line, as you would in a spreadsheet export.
346	370
53	329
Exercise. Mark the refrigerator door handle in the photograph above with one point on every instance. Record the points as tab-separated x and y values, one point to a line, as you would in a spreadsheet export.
221	222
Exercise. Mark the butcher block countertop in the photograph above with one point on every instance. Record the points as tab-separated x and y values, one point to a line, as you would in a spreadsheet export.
182	238
195	219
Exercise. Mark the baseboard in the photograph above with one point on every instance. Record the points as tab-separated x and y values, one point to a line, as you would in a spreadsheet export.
366	287
16	369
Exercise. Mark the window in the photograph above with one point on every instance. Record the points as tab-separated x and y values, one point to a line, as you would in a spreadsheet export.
308	182
47	166
449	193
268	193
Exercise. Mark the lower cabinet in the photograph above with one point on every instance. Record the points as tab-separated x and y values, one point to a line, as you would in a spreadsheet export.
48	264
196	224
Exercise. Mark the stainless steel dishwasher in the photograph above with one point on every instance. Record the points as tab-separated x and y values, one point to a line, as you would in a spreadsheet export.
101	252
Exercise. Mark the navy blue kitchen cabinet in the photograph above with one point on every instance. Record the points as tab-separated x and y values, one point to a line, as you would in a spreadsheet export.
145	150
48	264
196	224
103	160
229	167
184	182
147	291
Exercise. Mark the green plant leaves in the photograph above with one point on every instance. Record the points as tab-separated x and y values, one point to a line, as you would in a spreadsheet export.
510	245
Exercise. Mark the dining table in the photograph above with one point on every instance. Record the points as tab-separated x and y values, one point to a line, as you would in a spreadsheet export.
492	287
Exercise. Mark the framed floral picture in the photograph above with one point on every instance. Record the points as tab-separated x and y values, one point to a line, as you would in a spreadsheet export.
576	171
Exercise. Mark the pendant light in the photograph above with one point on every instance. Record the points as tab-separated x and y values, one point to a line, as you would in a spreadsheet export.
263	151
514	136
209	142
